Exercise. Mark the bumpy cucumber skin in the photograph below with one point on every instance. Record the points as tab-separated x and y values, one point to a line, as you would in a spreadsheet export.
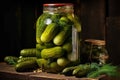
11	60
26	58
68	70
29	52
40	26
67	46
26	66
60	38
49	33
54	52
81	71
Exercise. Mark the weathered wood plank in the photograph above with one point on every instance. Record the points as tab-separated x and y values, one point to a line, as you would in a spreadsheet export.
92	14
113	39
8	72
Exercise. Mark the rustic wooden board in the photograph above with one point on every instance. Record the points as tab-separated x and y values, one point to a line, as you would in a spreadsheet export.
8	72
49	76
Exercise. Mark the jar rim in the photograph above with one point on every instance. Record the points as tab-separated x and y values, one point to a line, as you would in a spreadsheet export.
57	4
95	41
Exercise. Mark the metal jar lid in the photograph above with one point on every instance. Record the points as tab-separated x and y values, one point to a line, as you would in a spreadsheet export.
95	41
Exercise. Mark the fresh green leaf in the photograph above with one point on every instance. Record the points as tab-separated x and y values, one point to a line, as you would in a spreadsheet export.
106	69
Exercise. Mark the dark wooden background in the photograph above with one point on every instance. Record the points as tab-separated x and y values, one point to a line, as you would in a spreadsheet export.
18	17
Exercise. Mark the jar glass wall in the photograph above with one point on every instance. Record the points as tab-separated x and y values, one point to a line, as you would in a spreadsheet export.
95	51
57	37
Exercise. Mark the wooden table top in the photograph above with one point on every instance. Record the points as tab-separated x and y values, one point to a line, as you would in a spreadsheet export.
7	72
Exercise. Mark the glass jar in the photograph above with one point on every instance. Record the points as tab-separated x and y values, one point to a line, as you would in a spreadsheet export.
57	37
95	51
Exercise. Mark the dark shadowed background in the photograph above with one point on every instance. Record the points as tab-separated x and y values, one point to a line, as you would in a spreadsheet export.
18	17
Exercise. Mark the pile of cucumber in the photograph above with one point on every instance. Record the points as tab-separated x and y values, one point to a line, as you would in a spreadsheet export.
91	70
27	61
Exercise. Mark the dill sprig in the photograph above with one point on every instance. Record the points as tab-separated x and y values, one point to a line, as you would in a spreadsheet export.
106	69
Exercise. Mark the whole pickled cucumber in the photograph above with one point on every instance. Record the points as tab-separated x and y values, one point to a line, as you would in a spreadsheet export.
54	52
76	22
40	26
69	70
24	66
49	32
11	60
67	46
81	71
28	52
25	59
62	36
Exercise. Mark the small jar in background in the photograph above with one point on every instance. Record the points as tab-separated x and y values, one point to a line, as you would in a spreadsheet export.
95	51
